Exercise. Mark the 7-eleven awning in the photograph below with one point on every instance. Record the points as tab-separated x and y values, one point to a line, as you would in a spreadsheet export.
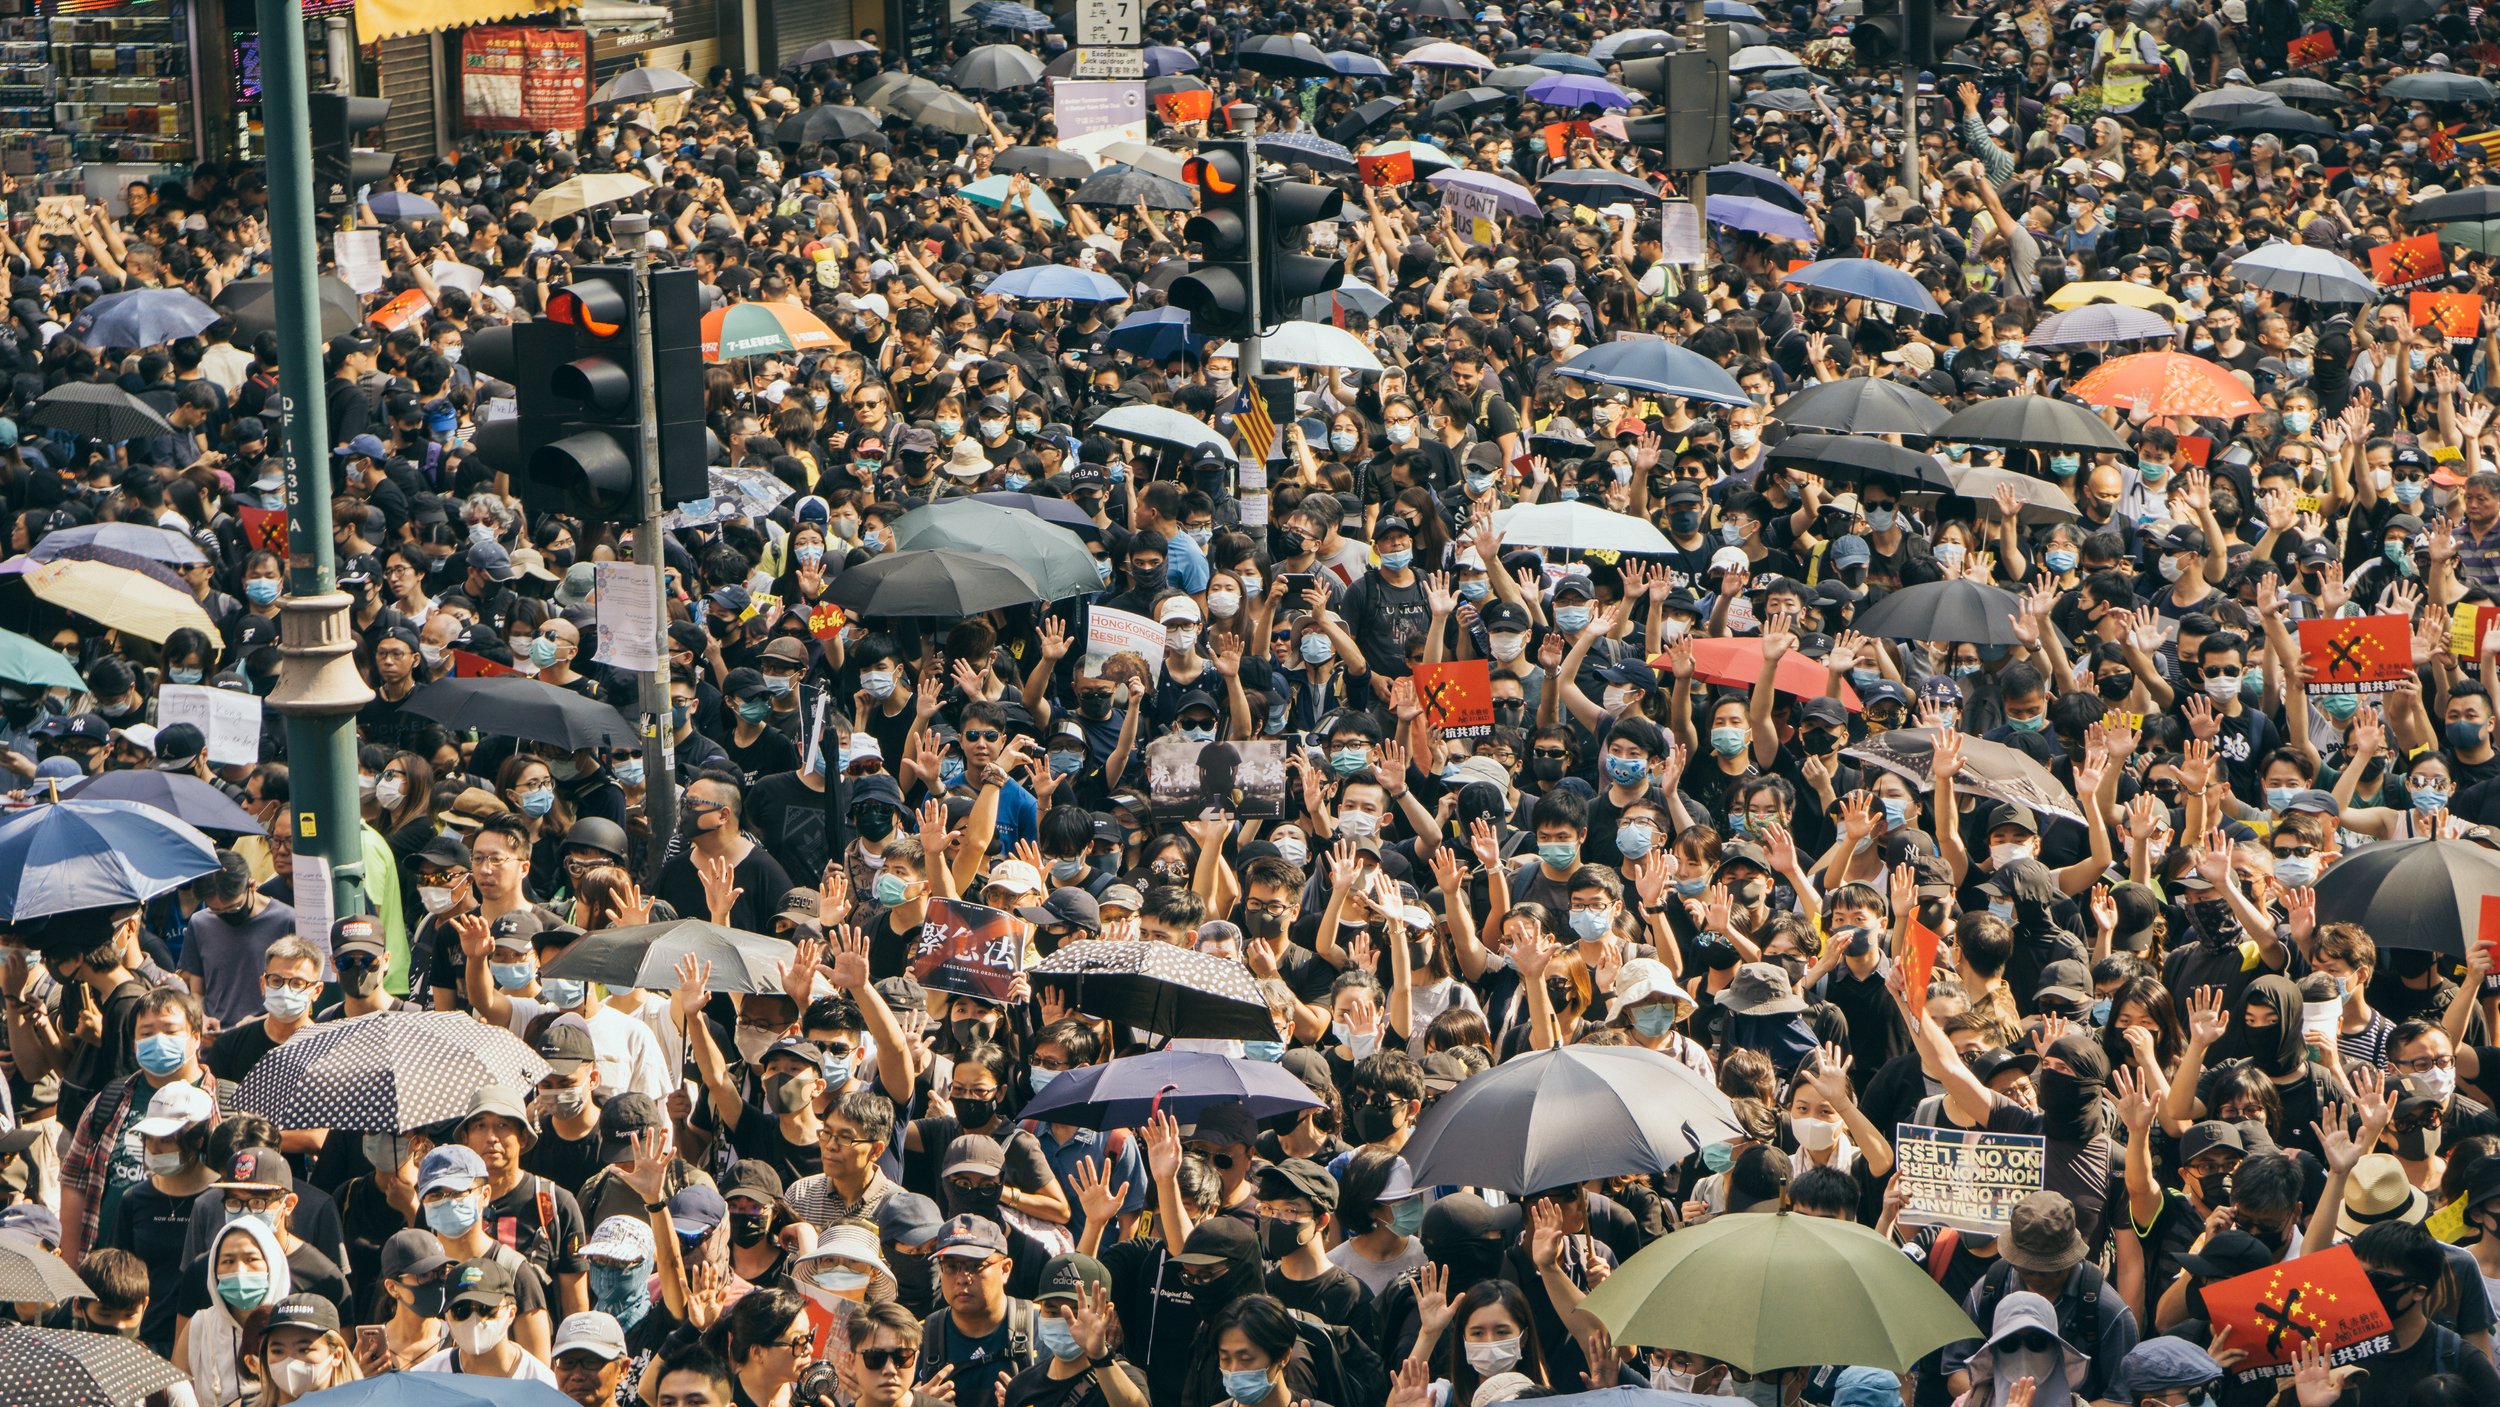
386	19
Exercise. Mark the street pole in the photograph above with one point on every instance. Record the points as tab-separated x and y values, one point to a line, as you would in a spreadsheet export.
659	733
1244	120
318	690
1909	130
1695	25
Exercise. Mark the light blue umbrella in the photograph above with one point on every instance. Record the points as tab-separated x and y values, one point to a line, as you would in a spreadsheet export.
437	1390
1568	63
69	855
1660	366
1509	196
1354	65
400	205
1042	282
1361	297
139	539
1000	15
991	191
24	661
142	317
1578	90
1730	10
1165	58
1308	147
1758	216
1861	278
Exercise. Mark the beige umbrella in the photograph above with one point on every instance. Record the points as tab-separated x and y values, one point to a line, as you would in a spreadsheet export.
127	601
585	192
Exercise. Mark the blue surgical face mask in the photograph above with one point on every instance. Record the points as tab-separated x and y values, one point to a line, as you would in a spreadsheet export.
892	890
180	675
1396	561
1063	764
1058	1340
1635	839
2429	798
1346	761
1718	1157
2409	492
1342	441
1627	771
538	801
564	993
951	771
2280	798
543	652
949	427
1558	854
2296	422
1317	648
1016	482
2100	1011
1474	589
1692	888
1727	742
2063	559
262	590
629	772
1896	811
163	1055
1571	619
1251	1385
451	1217
1265	1052
1406	1216
1102	570
2065	466
1653	1021
512	976
2028	725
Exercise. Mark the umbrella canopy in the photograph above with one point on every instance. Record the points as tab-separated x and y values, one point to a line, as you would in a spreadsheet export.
647	82
1577	526
98	411
1599	182
24	661
2432	86
1760	182
1171	991
936	582
1049	510
1755	216
70	855
2423	894
1862	405
2037	421
1737	662
1508	195
1467	102
177	794
2081	292
1308	148
1126	187
2481	236
1153	334
879	90
1441	54
2228	98
1756	58
1366	116
1427	157
69	1368
1516	78
1160	425
119	597
1852	458
588	192
1361	297
1663	367
947	112
1944	610
2301	88
1765	1290
1003	14
386	1073
996	191
1779	100
827	51
29	1274
1578	90
1993	770
2463	203
2040	501
139	539
402	205
1864	278
1053	558
761	329
1604	49
1049	163
1301	343
251	304
996	67
1041	283
1568	1115
1284	56
1124	1093
144	317
2280	121
1352	65
2167	383
833	122
646	955
2100	322
2299	271
524	708
147	567
1568	63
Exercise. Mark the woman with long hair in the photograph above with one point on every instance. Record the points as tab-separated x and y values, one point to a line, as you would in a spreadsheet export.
1488	1329
403	800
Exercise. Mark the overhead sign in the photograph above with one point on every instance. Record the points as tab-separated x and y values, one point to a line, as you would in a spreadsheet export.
1110	63
1109	22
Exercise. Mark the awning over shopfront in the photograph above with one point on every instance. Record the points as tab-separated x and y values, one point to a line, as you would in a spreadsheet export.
385	19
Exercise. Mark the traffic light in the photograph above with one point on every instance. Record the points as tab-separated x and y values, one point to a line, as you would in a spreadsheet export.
677	372
340	167
1907	32
519	356
1287	278
1216	291
594	470
1691	85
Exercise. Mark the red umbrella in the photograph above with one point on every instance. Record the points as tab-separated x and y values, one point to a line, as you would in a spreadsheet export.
2167	383
1737	662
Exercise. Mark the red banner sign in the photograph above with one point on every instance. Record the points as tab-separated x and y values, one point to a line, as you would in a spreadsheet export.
2274	1313
524	79
2357	654
2408	261
1457	696
1395	169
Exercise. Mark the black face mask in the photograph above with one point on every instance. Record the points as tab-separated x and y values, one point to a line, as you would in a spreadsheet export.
749	1228
360	982
976	1201
914	1286
430	1299
1373	1123
1545	770
973	1113
2416	1144
875	823
968	1031
1094	705
1262	925
1279	1239
1819	742
2115	687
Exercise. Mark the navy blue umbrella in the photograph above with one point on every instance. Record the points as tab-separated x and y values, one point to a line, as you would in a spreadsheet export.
1308	147
1354	65
1153	334
1183	1083
1760	182
1864	278
400	205
142	317
72	855
176	793
1000	15
1662	367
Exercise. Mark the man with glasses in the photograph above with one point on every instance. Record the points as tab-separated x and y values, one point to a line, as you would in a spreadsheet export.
290	979
1296	1198
983	1335
488	882
853	1136
590	1358
397	670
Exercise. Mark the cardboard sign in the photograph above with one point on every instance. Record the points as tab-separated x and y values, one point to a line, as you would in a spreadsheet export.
1395	169
2310	50
1110	634
1964	1178
2356	655
1184	107
2274	1313
2403	262
2469	625
263	528
1918	964
228	718
1457	696
969	949
2455	316
1196	781
58	214
468	664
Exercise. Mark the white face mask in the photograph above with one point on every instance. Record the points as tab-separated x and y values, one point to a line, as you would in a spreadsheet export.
1495	1356
2222	689
2438	1084
1223	604
2006	854
298	1377
1560	338
1360	1047
390	791
1508	646
435	898
479	1336
1181	639
1814	1135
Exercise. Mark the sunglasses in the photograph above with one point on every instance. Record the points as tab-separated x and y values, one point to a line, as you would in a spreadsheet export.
467	1309
2030	1341
877	1360
983	735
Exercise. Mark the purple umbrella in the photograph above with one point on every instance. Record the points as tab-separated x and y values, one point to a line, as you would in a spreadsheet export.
1509	196
1578	90
1758	216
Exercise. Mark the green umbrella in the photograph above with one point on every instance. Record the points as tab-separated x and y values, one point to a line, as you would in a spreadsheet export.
24	661
2481	236
1053	556
1780	1290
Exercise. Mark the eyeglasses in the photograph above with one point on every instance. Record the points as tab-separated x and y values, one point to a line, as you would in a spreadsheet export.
798	1345
877	1360
2029	1341
2425	1064
2295	852
2223	671
289	984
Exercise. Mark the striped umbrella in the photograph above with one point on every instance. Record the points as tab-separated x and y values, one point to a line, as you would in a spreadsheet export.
756	329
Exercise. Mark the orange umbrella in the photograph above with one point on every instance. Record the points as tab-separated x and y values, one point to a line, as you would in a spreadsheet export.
756	329
1737	662
2167	383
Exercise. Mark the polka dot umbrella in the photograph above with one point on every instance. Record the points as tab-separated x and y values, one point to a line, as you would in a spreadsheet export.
1161	988
387	1073
65	1368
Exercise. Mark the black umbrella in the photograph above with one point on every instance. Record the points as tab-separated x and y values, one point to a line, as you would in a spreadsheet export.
936	581
2281	121
1126	187
1944	610
99	412
66	1368
1596	183
1165	85
1467	102
1048	163
1364	118
251	304
1158	987
1430	9
1284	56
1862	405
646	954
526	709
1573	1114
2463	203
2038	421
996	67
1850	458
29	1274
387	1073
2400	12
834	122
643	82
2423	894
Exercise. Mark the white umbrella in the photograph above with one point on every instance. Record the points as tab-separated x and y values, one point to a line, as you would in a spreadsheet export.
1154	160
1157	425
1579	527
1317	344
1443	54
586	192
2300	271
1762	56
1425	154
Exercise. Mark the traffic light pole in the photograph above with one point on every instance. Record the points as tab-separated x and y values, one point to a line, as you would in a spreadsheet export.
318	690
1695	21
659	742
1244	118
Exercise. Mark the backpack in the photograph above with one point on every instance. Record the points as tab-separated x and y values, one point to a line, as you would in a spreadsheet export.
1344	1366
2078	1321
1022	1317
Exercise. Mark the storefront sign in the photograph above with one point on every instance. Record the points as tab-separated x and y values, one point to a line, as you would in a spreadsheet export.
528	80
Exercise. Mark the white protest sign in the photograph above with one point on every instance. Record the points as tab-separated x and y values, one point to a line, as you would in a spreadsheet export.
228	718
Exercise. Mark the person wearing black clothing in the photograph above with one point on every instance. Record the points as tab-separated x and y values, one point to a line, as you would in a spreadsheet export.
720	849
1296	1198
755	747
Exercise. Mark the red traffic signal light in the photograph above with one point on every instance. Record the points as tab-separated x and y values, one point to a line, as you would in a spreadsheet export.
593	307
1216	173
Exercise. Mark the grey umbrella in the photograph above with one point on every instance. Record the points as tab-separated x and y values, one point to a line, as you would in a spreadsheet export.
833	122
1556	1118
1944	610
2301	88
645	82
387	1073
141	317
98	411
880	90
1284	56
1125	187
828	51
995	68
252	305
29	1274
2042	421
1862	405
646	955
1051	555
2439	87
1048	163
948	112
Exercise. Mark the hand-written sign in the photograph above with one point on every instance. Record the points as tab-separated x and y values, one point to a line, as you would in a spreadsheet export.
1964	1178
970	950
2274	1313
